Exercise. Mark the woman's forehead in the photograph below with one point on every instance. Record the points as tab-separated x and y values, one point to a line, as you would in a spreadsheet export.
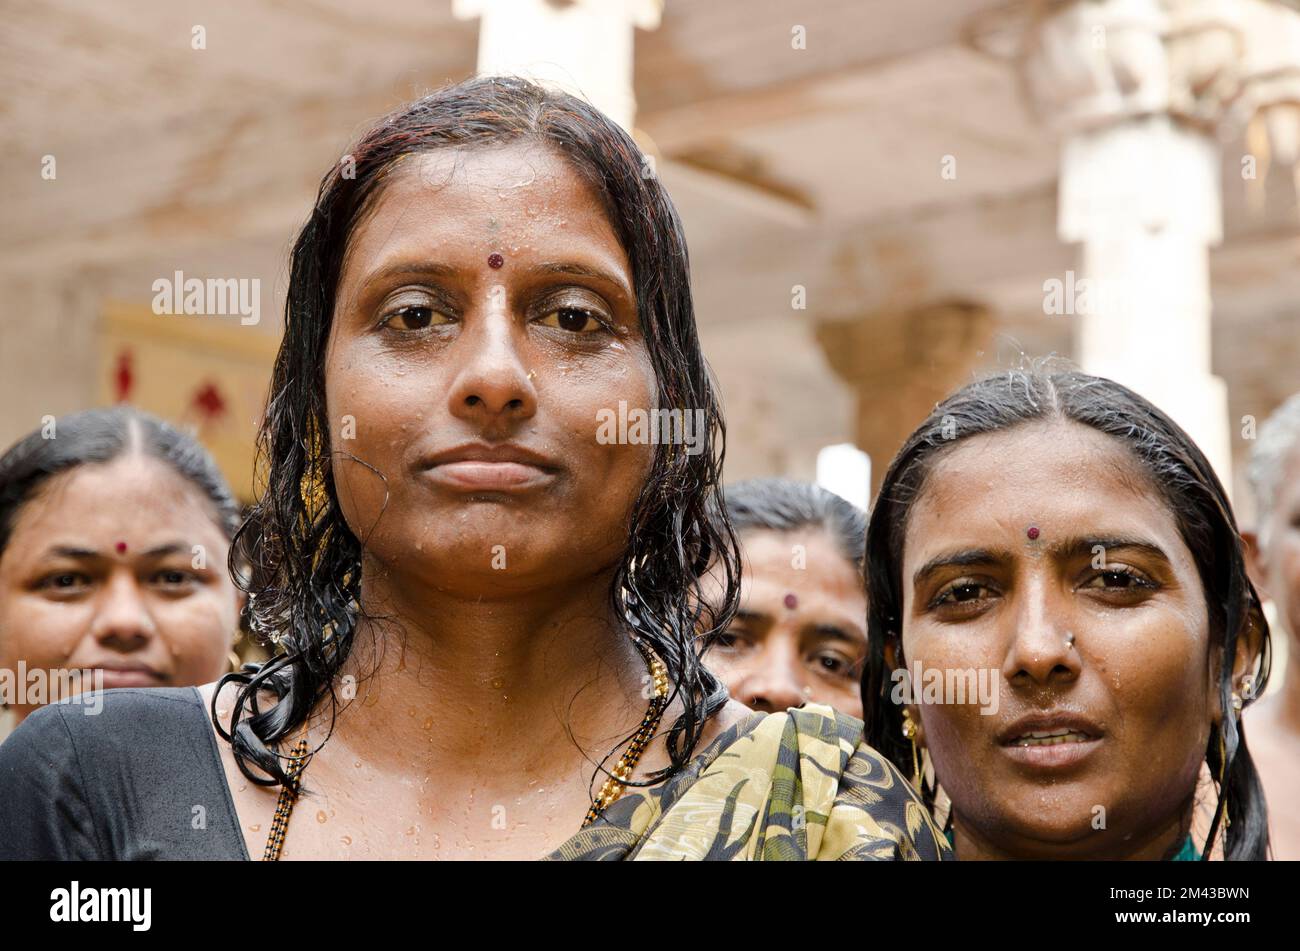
1056	476
521	201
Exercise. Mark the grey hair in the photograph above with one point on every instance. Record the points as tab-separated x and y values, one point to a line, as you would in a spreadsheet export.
1278	437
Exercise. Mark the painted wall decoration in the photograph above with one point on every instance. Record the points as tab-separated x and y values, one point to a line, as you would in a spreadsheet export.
206	374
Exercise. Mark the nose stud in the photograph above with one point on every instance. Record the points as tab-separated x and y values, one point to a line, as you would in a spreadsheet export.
790	601
495	260
1032	533
1069	641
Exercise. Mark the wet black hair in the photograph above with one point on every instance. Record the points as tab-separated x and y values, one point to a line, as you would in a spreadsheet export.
99	436
785	505
1193	494
305	588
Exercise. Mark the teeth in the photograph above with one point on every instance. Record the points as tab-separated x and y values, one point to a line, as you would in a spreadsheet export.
1052	738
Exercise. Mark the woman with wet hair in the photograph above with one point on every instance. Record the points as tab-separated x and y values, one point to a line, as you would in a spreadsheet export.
799	635
1062	632
487	608
115	529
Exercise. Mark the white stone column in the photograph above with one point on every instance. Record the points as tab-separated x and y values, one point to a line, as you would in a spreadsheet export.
581	46
1136	88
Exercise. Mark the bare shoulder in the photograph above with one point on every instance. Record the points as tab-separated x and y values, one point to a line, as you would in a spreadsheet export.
731	714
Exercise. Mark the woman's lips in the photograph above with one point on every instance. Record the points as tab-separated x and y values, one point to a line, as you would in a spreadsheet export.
1052	741
483	475
129	677
1056	752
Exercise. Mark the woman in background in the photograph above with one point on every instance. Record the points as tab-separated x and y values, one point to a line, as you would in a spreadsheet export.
115	529
800	633
1056	538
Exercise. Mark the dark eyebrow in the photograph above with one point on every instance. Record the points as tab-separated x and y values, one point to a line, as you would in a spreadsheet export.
962	559
1075	547
171	548
834	632
581	270
158	551
409	269
69	551
1066	548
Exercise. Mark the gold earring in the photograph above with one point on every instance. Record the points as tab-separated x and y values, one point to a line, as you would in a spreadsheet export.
909	731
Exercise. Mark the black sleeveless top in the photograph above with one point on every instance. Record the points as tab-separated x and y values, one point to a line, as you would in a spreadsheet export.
158	789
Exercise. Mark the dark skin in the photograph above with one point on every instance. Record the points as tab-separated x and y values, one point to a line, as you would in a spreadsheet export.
101	573
503	675
1136	687
1274	722
775	656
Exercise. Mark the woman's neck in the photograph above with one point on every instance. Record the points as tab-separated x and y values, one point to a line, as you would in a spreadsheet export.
547	680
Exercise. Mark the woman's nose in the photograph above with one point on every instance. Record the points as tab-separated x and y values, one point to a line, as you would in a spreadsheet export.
123	620
1040	645
491	382
774	683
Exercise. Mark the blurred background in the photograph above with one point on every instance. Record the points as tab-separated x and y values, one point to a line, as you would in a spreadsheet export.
882	197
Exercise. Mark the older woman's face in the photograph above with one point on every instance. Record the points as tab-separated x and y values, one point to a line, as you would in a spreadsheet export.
485	320
799	635
120	568
1095	632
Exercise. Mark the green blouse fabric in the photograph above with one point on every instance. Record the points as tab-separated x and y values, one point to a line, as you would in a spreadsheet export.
795	786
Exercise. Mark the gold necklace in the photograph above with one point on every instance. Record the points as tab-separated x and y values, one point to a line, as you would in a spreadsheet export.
284	807
612	788
617	780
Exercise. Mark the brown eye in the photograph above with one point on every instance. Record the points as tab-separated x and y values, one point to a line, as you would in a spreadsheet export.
1118	580
832	663
965	592
66	580
411	318
173	578
572	319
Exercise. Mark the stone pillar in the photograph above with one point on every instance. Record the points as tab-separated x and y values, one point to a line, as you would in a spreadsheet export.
581	46
900	364
1136	89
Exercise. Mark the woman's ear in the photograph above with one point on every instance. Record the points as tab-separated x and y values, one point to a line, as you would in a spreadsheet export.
901	686
1250	644
1256	567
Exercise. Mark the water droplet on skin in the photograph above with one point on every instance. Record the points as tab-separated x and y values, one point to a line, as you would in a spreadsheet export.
428	723
498	682
256	828
346	840
357	764
412	830
321	817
